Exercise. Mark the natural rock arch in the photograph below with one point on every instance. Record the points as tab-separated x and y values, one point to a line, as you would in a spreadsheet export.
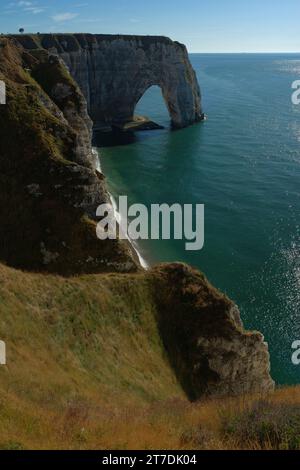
115	71
144	108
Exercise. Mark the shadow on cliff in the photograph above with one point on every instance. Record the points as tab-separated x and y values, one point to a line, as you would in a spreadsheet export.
207	347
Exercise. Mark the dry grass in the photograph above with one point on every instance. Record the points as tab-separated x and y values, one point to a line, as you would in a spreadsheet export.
173	424
86	370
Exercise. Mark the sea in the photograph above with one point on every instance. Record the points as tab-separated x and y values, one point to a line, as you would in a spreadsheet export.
243	164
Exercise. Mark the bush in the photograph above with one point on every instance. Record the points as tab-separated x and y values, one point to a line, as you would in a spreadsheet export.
196	437
265	425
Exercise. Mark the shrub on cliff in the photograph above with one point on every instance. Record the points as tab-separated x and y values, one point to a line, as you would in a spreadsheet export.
266	425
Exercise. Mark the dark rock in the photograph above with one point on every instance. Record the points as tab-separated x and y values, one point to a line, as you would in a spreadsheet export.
207	345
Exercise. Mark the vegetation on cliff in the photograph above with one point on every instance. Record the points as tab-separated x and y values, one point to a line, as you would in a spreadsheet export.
49	189
87	369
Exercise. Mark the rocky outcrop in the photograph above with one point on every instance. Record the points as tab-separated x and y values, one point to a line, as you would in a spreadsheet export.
50	188
114	72
208	348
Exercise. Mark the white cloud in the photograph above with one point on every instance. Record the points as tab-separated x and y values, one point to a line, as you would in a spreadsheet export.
64	17
35	10
30	7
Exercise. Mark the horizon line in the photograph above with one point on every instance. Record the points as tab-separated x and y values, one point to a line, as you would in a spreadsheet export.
250	52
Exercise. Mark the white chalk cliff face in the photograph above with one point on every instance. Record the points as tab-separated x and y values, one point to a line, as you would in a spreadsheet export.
115	71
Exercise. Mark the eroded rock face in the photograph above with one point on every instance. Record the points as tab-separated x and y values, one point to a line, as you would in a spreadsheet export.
50	188
115	71
208	348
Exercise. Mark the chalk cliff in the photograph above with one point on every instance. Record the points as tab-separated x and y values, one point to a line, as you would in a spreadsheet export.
114	72
50	188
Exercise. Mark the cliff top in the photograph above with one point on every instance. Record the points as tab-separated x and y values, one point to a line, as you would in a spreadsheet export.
75	41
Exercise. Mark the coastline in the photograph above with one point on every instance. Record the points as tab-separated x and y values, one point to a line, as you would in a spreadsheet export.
133	244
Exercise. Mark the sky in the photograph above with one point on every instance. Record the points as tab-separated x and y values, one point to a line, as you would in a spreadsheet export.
203	25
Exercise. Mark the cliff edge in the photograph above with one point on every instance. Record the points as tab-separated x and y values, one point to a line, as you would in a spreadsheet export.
50	188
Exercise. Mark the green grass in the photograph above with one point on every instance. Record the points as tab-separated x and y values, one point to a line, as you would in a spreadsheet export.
86	369
61	333
73	345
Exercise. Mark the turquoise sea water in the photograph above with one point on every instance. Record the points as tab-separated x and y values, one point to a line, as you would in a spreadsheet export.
243	163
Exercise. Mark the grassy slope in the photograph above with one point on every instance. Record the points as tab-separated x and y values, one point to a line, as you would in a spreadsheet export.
88	341
86	369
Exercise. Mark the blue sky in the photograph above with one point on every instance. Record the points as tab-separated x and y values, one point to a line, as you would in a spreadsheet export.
203	25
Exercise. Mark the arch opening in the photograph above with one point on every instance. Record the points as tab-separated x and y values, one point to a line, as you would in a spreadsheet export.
153	107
